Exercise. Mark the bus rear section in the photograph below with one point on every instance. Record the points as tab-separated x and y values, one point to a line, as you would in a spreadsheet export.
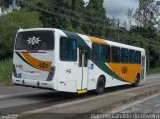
33	58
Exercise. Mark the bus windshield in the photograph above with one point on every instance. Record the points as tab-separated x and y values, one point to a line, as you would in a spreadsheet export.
35	40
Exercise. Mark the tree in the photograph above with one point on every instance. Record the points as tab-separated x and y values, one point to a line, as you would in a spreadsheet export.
144	21
129	16
146	32
151	38
9	24
72	15
5	3
146	15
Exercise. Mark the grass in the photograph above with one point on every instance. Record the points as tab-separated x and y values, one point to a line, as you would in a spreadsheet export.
5	70
153	70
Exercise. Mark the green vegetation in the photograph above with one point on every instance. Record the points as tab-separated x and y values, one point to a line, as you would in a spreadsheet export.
5	70
153	70
72	15
9	24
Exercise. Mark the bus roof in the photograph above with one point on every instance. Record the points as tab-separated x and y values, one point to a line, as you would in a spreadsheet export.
124	45
112	43
33	29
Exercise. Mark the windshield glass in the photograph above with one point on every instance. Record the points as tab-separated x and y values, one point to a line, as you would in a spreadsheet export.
35	40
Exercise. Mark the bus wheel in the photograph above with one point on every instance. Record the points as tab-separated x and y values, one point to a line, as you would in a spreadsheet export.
137	81
100	85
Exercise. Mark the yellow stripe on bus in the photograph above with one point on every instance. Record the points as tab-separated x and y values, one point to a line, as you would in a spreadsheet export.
36	63
97	40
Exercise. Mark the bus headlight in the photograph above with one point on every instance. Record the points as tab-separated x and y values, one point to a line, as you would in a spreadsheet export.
51	73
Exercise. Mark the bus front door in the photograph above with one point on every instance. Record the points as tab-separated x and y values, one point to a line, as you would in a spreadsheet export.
82	69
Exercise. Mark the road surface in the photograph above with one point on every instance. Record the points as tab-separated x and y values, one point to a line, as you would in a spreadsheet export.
18	99
149	106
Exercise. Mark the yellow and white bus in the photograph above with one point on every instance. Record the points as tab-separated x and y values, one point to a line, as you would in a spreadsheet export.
72	62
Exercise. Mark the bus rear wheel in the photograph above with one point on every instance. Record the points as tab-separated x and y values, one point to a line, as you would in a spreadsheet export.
137	81
100	85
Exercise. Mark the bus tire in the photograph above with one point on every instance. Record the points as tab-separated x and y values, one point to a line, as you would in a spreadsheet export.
100	85
137	81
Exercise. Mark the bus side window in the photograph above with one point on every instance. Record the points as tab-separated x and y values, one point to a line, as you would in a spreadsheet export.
86	59
102	53
138	57
80	58
68	49
95	52
124	55
115	54
132	56
108	53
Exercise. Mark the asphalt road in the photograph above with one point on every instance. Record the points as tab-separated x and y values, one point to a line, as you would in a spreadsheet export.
18	99
148	106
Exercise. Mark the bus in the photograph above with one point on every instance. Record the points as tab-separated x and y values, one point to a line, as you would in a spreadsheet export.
71	62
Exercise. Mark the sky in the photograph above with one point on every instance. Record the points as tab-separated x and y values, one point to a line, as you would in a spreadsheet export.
118	8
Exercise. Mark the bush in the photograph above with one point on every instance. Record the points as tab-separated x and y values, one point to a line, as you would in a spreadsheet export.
5	70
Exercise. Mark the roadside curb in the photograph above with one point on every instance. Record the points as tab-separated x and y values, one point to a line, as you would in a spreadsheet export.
111	106
6	84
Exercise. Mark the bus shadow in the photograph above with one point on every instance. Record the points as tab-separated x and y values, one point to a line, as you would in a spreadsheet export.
115	88
51	96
